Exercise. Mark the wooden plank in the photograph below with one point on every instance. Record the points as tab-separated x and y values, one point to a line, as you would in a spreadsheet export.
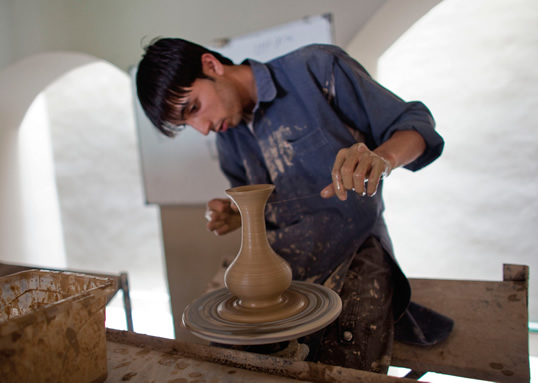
516	273
136	364
490	338
141	358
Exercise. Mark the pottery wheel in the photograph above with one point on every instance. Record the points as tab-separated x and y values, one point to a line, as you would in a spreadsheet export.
305	308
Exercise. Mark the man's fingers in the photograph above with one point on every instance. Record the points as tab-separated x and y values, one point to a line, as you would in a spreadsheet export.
361	175
374	178
209	214
216	226
328	191
356	169
234	207
337	175
218	204
348	169
361	147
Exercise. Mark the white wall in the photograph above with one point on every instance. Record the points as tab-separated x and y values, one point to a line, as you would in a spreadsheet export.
43	236
475	65
116	30
4	33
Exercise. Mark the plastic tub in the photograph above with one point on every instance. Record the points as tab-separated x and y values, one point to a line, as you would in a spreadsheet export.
52	327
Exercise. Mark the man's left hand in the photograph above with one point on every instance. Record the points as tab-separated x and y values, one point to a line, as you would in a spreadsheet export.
358	169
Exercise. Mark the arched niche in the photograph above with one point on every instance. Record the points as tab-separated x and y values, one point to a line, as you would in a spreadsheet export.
25	210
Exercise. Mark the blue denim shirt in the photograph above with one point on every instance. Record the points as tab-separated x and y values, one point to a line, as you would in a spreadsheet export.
312	103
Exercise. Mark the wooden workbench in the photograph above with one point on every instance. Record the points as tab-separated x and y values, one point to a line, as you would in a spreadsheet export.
141	358
490	340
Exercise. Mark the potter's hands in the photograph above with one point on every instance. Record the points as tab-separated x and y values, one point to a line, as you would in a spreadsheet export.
222	216
354	166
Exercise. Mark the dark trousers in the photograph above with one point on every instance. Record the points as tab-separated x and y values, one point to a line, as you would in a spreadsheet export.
362	336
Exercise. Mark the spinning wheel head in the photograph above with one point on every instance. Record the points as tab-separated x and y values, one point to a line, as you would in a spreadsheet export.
217	317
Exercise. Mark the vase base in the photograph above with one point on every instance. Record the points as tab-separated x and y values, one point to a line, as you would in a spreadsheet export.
292	303
305	308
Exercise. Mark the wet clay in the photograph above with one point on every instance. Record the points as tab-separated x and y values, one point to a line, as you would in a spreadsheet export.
261	303
258	277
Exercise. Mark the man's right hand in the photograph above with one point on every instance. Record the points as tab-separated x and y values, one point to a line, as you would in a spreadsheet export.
222	216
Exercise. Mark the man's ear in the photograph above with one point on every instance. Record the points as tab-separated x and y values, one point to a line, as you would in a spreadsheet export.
211	66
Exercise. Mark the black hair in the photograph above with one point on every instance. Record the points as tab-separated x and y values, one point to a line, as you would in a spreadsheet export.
167	68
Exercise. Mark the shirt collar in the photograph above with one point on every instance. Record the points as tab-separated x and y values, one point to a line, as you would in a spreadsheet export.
264	82
265	87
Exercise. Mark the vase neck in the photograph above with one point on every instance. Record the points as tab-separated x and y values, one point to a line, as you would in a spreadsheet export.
251	201
253	230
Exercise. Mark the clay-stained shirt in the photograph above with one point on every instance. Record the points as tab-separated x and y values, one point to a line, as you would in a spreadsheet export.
312	103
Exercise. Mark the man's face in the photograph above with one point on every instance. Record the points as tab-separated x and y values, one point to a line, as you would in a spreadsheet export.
212	104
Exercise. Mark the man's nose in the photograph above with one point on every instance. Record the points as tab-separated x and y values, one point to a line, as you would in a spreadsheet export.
202	125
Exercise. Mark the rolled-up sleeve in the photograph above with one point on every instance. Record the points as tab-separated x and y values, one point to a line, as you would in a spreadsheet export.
367	106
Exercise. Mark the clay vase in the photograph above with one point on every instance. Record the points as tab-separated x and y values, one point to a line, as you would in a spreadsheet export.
258	276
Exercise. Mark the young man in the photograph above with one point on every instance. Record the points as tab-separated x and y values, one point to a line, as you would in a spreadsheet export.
319	128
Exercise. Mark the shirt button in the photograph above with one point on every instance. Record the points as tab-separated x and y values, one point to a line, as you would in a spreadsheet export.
347	336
